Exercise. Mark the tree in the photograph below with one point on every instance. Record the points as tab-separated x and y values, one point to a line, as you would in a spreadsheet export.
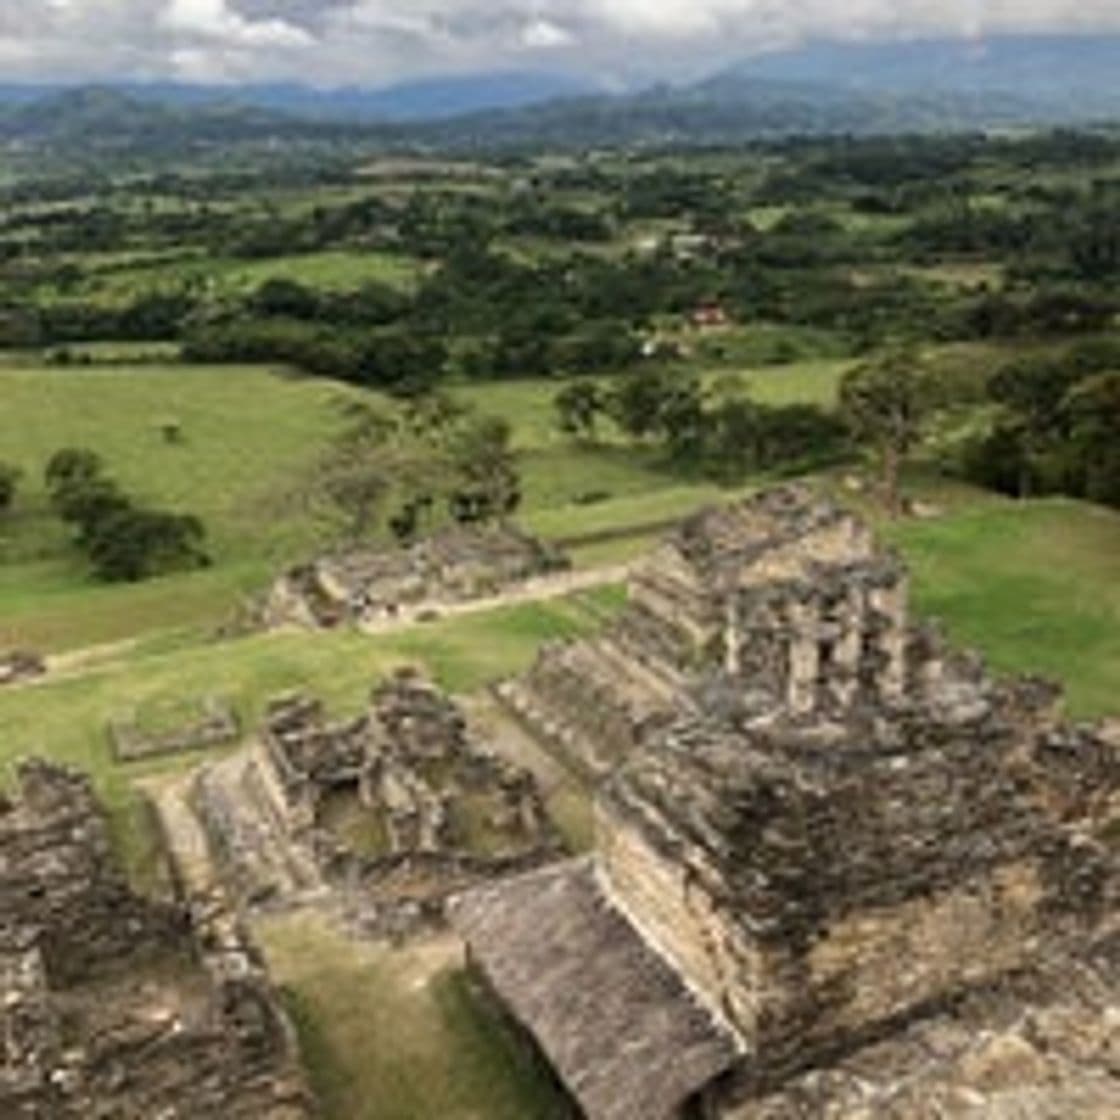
354	478
286	298
578	406
637	402
401	362
72	464
9	482
683	421
487	483
1093	410
123	541
388	465
1032	393
130	544
80	492
886	404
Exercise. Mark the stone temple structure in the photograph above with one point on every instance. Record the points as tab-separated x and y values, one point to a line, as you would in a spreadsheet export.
389	812
115	1007
840	871
454	565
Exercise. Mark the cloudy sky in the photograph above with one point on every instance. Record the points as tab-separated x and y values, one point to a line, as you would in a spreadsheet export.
374	42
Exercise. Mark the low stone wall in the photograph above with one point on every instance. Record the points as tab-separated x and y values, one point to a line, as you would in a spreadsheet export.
216	724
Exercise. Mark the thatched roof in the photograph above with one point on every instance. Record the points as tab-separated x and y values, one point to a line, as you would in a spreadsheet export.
627	1038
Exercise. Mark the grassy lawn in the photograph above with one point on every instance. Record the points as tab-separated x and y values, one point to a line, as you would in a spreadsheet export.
248	433
400	1035
1036	587
527	404
245	430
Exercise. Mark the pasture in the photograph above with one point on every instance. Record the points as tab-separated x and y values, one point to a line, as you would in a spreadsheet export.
117	281
249	436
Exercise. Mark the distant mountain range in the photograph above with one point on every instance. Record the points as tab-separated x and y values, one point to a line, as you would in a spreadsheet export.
428	99
1040	68
818	88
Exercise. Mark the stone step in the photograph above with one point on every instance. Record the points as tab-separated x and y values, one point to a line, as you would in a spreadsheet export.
255	850
297	866
548	727
187	844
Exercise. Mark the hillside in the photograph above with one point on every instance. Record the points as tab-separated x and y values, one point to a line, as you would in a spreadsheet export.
819	88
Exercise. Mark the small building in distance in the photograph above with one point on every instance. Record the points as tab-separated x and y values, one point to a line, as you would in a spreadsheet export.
840	870
367	585
708	316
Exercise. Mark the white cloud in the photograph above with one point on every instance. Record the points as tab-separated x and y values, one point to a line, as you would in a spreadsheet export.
332	41
543	34
213	19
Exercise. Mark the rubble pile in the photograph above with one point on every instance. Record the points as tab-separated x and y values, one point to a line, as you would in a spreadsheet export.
112	1005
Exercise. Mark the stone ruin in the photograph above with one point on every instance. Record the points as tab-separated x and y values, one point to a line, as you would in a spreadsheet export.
840	871
214	723
455	565
393	810
20	666
116	1007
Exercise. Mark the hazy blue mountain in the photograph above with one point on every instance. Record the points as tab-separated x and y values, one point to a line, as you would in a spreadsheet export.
1074	74
106	118
937	85
429	99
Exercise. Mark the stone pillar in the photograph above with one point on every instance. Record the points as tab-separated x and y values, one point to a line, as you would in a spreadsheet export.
848	650
733	638
804	656
889	602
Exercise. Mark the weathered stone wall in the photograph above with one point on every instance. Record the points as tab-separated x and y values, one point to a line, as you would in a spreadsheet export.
387	814
59	881
113	1006
784	896
1039	1045
665	902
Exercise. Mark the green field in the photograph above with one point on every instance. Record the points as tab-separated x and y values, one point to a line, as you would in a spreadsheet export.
248	435
117	281
1035	587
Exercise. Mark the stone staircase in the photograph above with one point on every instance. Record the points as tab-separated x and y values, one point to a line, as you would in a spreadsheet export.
239	807
591	702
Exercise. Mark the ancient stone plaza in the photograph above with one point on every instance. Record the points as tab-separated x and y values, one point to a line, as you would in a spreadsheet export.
839	871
